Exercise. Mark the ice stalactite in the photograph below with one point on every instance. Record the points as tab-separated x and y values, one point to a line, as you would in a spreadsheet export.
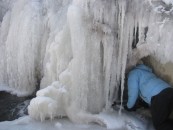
152	21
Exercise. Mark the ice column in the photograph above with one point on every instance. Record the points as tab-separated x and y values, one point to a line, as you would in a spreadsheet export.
21	34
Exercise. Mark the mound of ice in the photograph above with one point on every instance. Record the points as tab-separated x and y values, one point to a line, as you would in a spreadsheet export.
41	108
48	103
53	101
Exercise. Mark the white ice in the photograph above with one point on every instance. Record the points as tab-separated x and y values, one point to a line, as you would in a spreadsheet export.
127	121
49	103
85	45
168	1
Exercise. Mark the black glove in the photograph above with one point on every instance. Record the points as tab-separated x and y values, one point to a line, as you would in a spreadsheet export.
129	109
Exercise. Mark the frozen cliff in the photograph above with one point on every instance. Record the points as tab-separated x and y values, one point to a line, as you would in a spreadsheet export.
83	44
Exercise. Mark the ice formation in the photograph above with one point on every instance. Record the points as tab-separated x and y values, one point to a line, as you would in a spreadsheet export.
83	44
168	2
54	95
53	101
41	108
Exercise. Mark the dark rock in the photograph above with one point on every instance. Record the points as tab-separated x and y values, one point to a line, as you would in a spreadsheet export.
12	107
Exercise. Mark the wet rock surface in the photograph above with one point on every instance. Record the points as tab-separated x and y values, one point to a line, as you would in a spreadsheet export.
12	107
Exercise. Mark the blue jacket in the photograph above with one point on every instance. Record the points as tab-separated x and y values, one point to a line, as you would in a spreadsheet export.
142	82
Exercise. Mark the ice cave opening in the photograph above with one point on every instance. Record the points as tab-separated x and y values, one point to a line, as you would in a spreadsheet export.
76	52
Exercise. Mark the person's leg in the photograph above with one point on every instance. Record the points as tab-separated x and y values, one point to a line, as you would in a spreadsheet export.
160	110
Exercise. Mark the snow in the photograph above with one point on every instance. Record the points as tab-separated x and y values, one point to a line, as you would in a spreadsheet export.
84	45
26	123
113	121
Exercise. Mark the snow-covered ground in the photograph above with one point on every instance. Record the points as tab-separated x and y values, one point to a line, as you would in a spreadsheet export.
114	121
26	123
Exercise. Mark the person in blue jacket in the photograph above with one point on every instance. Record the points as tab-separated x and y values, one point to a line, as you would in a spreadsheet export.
155	92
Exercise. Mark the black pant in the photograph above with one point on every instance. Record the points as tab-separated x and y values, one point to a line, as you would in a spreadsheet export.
161	108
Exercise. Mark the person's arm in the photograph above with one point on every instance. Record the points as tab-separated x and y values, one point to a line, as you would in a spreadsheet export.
133	89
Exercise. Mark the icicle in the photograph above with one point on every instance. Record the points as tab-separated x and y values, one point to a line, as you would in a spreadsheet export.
122	10
42	117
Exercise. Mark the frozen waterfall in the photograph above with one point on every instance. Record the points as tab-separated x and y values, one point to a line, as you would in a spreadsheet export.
83	44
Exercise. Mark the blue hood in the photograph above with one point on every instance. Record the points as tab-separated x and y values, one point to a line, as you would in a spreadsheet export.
143	67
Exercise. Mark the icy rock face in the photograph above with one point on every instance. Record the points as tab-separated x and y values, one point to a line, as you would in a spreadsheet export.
83	44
